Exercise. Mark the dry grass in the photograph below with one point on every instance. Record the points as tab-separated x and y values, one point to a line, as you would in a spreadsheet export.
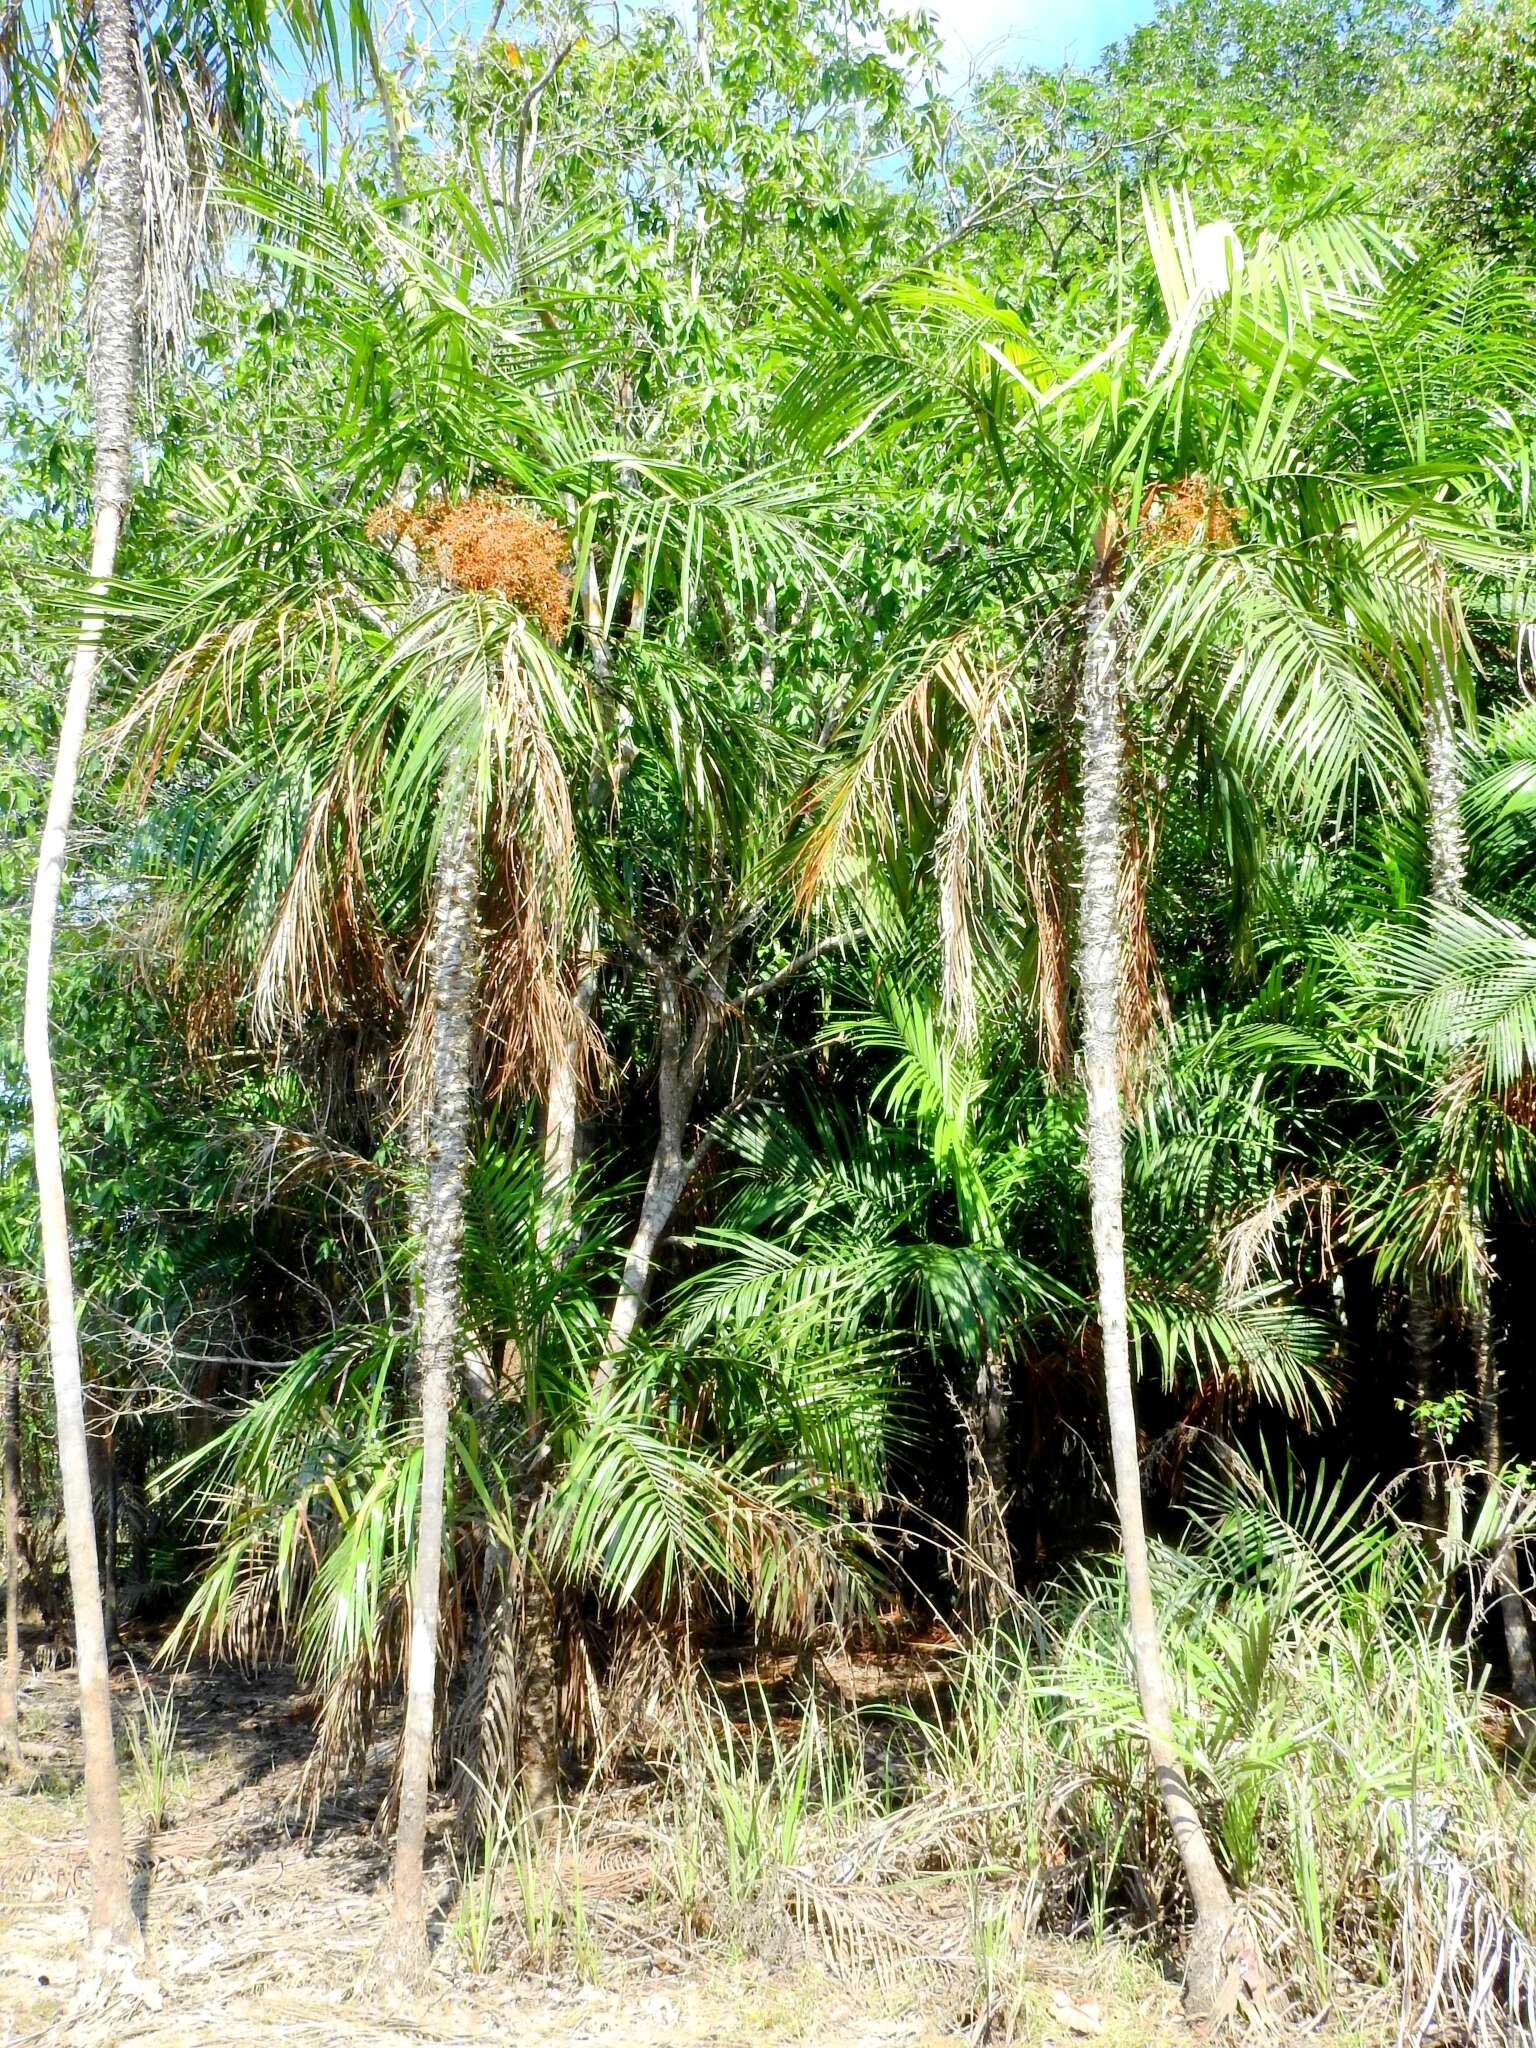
892	1852
258	1933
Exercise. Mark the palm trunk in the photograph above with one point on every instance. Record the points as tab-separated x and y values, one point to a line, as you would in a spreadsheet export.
114	369
1447	886
1099	951
446	1139
10	1481
988	1588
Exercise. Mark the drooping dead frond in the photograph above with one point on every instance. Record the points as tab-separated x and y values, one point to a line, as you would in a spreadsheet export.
529	1013
1143	999
42	294
1043	855
1250	1250
183	228
984	794
325	946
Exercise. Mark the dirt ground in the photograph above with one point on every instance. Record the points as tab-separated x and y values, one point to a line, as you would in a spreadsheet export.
259	1932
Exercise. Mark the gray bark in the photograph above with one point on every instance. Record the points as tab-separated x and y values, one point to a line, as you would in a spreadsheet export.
679	1070
10	1482
1447	846
446	1142
1099	948
114	374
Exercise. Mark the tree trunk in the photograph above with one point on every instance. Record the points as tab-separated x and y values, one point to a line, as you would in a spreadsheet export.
988	1587
1423	1348
446	1141
10	1481
1447	847
679	1069
1506	1577
1099	948
114	370
109	1536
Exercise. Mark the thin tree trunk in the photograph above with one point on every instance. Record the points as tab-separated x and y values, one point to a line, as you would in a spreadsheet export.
987	1586
1447	886
1423	1347
701	42
109	1536
114	370
10	1481
383	87
446	1140
539	1713
1099	948
678	1072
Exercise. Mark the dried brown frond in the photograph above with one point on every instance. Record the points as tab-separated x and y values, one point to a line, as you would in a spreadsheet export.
1143	999
42	295
209	1010
529	1009
326	948
1043	843
483	542
983	795
1187	513
1518	1101
1252	1244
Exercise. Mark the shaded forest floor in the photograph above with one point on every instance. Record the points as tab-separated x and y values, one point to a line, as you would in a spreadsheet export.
258	1931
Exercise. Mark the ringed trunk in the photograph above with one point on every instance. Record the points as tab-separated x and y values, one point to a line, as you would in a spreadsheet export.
1099	951
114	372
446	1143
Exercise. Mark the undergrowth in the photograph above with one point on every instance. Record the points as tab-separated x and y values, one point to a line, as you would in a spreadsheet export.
1347	1756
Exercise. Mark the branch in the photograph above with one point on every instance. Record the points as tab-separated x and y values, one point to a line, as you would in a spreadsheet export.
792	967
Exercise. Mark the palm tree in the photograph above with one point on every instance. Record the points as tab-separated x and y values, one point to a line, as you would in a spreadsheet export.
1439	405
44	139
10	1493
114	383
421	701
1135	457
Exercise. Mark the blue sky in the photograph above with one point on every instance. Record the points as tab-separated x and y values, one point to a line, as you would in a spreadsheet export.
1047	32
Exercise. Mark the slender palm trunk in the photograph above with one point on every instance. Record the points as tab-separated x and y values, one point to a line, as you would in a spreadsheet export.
1099	948
446	1139
10	1481
988	1587
114	370
1447	886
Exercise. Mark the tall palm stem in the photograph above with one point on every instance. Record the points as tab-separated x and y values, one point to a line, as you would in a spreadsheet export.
10	1484
1099	960
446	1144
1447	848
114	374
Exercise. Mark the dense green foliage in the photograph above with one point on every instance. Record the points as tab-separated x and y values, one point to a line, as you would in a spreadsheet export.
694	455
